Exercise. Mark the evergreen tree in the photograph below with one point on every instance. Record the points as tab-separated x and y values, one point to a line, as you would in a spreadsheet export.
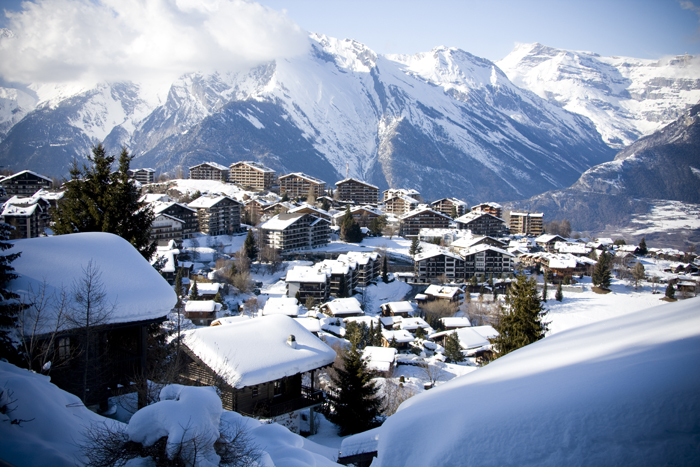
325	205
350	230
544	289
285	197
643	250
377	338
9	310
473	281
393	344
559	296
522	321
219	299
97	200
670	291
354	399
453	214
453	350
601	272
249	246
178	283
194	293
385	270
420	333
310	302
415	248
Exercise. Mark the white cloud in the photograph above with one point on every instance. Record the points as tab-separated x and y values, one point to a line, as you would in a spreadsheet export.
688	5
69	40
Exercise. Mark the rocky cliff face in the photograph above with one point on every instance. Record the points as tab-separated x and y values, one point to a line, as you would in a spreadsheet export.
444	122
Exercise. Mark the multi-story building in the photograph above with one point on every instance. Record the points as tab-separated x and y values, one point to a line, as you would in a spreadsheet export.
28	216
526	223
392	192
494	209
166	228
400	205
217	215
439	264
300	185
368	266
307	281
186	214
293	232
411	223
24	183
143	176
363	215
209	171
314	211
481	223
355	191
487	260
255	210
252	174
450	207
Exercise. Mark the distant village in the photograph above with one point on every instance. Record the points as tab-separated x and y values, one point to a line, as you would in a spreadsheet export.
442	285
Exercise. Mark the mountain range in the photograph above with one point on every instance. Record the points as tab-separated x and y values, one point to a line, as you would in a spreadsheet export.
445	122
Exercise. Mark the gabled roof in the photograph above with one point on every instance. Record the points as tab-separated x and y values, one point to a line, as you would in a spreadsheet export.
351	179
211	164
491	205
546	238
305	274
473	215
202	306
399	307
436	252
282	221
311	208
30	172
253	165
256	351
422	210
304	176
160	206
442	291
344	306
209	201
485	247
282	306
454	201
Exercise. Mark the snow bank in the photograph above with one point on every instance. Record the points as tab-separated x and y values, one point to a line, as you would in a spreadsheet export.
620	392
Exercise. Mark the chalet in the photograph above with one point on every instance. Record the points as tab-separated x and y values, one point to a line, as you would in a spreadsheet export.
391	322
342	308
573	248
400	205
443	292
444	237
314	211
251	174
179	211
355	191
455	322
208	290
548	242
209	171
394	192
470	338
411	223
92	365
25	183
526	223
487	260
360	449
166	228
217	215
29	216
287	306
403	309
481	223
307	281
494	209
300	185
399	339
280	207
381	359
260	365
560	265
294	232
435	264
363	215
450	207
202	312
143	176
412	324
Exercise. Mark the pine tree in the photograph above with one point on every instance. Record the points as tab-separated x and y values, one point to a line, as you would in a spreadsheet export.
559	296
385	271
178	283
249	246
544	289
377	338
643	250
415	248
522	321
194	293
453	214
9	310
97	200
354	399
453	350
420	333
670	291
350	230
601	272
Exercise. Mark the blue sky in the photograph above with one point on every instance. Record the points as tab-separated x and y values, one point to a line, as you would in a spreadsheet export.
489	29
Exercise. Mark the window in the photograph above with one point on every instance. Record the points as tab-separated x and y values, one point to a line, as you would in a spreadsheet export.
63	348
278	387
255	391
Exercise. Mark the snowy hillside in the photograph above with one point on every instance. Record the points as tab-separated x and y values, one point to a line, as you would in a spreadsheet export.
624	391
625	97
444	122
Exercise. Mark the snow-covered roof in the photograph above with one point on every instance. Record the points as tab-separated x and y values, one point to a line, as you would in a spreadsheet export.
436	252
491	205
473	215
305	206
202	306
282	221
211	164
379	358
410	324
546	238
442	291
470	339
455	201
160	206
131	284
399	307
485	247
208	288
304	176
456	322
281	306
401	336
226	320
209	201
573	248
14	210
487	331
360	443
305	274
420	210
254	165
10	177
256	351
357	181
344	306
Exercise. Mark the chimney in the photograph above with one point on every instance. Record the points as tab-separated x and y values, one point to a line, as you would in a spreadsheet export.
292	341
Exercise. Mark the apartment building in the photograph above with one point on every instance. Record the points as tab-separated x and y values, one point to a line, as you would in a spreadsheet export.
357	192
526	223
209	171
252	174
450	207
300	185
293	232
217	215
411	223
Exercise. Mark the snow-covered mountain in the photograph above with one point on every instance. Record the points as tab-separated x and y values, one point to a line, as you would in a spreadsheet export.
443	122
625	97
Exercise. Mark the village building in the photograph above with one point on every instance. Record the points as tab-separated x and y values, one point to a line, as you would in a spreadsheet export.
559	265
400	205
105	361
481	223
412	324
443	237
355	191
399	339
463	244
359	449
24	183
441	292
548	242
254	210
342	276
573	248
342	308
251	174
263	367
306	281
484	259
287	306
470	338
452	207
209	171
217	215
526	223
368	266
208	290
455	322
363	215
314	211
293	232
403	309
494	209
143	176
165	228
381	359
184	213
280	207
29	216
439	265
300	185
202	312
411	223
394	192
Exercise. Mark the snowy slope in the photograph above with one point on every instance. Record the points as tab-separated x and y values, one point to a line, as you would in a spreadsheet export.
618	392
625	97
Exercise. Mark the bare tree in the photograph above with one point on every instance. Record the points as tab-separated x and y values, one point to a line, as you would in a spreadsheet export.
393	395
638	273
433	373
390	230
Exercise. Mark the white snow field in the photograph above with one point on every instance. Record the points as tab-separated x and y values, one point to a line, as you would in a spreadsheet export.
624	391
